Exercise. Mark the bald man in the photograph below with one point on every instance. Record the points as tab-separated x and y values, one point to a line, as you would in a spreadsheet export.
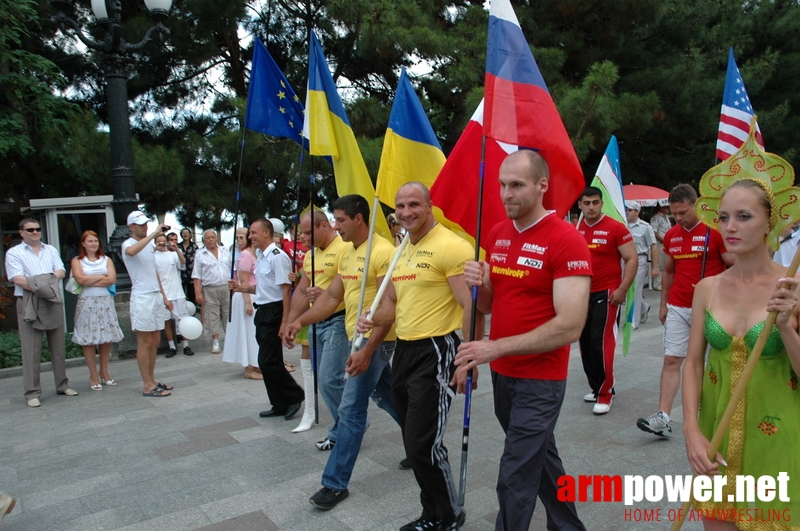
211	272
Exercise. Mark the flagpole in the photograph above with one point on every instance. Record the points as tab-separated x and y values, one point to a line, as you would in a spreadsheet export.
236	217
312	279
462	487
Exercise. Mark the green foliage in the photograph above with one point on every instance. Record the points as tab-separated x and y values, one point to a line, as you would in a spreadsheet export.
11	352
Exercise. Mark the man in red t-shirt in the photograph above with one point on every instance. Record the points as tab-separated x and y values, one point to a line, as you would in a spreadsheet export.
536	283
610	242
685	245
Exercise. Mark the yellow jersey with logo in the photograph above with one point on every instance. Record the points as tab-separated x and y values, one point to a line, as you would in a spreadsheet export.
426	306
326	264
351	269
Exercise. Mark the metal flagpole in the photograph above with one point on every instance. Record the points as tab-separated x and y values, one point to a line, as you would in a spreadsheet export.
372	220
312	279
236	218
462	486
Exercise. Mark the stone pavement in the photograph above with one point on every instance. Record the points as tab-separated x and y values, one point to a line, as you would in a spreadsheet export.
203	459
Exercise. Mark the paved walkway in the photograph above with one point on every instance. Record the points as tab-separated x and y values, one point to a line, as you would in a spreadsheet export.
203	459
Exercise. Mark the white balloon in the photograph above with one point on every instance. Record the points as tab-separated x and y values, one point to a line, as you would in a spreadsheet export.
191	309
190	327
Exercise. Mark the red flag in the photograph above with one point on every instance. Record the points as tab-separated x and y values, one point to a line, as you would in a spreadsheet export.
455	190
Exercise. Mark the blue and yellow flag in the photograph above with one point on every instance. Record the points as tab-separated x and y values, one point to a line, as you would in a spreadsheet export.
329	133
273	108
411	151
608	178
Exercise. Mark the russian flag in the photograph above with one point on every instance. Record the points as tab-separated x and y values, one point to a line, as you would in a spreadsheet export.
519	108
329	133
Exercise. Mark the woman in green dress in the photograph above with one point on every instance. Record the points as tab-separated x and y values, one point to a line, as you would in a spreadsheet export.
729	312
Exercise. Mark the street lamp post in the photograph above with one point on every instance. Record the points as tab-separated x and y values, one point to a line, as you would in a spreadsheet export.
114	47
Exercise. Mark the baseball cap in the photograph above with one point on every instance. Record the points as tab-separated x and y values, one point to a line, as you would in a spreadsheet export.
137	217
277	226
632	205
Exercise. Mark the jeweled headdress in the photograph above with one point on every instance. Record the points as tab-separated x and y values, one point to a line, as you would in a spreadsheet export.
771	172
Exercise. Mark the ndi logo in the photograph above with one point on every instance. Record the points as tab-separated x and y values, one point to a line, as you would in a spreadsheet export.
529	262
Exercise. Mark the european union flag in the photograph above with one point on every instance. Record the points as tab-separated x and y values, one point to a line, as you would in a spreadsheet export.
273	108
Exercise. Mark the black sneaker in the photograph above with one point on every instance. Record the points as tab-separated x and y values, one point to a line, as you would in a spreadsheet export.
326	498
405	464
188	351
421	524
171	353
325	444
456	524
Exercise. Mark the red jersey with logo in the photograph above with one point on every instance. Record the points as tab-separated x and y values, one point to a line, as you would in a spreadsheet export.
522	268
297	261
686	247
603	239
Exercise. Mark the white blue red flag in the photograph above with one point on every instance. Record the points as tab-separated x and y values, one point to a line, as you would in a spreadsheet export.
736	113
519	109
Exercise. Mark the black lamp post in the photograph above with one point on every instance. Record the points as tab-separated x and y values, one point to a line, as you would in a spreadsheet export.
114	47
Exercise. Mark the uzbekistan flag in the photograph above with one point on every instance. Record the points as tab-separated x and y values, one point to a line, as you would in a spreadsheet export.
520	110
329	133
736	113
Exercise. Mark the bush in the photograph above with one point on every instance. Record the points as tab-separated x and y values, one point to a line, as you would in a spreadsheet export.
11	352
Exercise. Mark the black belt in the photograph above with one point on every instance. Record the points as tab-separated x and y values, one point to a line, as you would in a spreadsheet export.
276	303
333	316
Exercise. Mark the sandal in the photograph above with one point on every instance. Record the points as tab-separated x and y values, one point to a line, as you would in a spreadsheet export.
97	387
107	382
289	366
165	387
157	392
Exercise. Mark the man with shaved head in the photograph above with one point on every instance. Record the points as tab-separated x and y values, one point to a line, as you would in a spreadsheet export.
211	272
535	282
428	300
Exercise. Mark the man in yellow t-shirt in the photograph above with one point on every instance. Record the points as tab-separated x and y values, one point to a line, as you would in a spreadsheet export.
430	301
369	369
331	337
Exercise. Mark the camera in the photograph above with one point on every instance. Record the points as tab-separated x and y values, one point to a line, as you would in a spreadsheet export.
165	229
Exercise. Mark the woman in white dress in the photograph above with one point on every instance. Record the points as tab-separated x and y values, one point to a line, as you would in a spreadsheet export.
96	324
240	337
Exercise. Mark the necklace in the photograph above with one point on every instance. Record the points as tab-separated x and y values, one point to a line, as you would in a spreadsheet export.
411	253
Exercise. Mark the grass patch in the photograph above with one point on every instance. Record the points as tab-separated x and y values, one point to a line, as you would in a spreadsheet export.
11	352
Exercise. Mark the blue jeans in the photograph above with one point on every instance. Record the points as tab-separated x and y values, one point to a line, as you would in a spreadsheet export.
376	381
332	353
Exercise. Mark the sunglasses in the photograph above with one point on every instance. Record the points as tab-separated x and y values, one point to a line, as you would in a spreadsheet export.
30	229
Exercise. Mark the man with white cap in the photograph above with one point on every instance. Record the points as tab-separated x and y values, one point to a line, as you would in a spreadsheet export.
147	295
645	239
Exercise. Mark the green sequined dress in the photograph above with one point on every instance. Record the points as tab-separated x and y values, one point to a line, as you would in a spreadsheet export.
764	435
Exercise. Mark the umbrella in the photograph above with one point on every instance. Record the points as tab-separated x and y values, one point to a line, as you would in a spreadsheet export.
645	195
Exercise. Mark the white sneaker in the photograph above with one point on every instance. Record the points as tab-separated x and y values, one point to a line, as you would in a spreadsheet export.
34	402
69	392
601	409
590	398
215	347
657	423
6	502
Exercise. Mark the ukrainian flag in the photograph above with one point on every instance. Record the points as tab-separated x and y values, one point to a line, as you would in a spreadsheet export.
329	133
411	151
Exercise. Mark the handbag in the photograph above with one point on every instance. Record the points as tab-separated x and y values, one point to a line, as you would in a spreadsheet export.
72	285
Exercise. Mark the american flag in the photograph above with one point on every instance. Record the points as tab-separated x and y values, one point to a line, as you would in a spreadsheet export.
736	113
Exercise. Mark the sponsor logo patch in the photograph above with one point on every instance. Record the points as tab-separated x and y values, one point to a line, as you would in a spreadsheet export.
577	264
533	248
530	262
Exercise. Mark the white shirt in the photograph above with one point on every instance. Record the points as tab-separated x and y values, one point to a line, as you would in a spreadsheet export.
785	252
89	268
272	272
168	264
660	223
212	271
643	236
141	268
21	260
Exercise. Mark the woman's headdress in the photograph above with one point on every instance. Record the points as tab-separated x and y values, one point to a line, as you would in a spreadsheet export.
769	171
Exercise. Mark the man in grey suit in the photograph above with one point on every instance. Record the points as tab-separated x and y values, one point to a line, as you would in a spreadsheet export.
28	265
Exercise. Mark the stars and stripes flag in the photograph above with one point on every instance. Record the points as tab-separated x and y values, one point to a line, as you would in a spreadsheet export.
736	113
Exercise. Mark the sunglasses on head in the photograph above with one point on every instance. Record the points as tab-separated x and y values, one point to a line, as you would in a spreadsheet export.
32	229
